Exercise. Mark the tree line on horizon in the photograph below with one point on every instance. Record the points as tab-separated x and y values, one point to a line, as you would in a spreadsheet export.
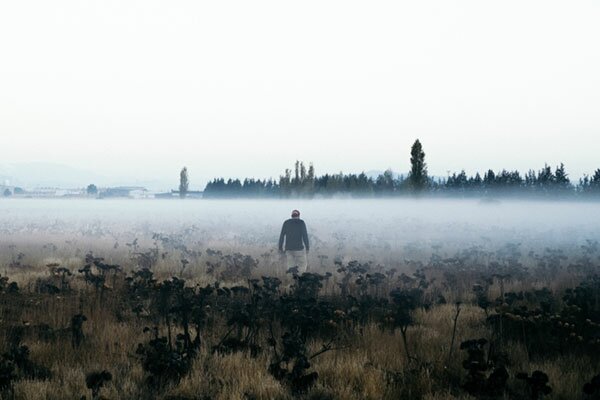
302	182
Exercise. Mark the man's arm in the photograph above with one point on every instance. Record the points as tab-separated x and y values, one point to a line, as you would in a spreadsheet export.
281	236
305	236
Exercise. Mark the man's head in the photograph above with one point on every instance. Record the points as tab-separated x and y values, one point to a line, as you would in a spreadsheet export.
295	214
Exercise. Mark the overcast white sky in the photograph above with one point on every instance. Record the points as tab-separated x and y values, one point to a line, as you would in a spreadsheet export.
244	88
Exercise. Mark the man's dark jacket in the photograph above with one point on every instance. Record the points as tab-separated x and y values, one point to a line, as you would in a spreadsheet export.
294	231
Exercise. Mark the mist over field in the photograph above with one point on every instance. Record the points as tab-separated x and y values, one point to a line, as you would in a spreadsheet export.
391	222
390	232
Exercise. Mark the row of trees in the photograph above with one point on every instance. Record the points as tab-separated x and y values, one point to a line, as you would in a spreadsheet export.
542	183
303	182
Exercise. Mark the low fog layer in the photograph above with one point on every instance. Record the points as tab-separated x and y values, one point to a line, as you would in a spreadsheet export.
360	226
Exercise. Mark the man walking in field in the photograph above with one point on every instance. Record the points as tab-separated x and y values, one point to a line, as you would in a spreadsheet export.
296	239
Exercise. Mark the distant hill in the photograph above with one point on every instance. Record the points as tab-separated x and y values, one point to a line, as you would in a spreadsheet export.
42	174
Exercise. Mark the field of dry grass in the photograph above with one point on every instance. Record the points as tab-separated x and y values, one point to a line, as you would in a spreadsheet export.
367	357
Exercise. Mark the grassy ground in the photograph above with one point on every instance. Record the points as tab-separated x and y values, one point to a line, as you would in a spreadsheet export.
372	363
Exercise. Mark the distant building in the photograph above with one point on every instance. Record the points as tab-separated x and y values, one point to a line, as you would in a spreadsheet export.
70	193
174	194
49	192
135	192
167	195
192	194
41	192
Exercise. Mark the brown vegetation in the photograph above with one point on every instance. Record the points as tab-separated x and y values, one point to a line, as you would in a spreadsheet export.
155	315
